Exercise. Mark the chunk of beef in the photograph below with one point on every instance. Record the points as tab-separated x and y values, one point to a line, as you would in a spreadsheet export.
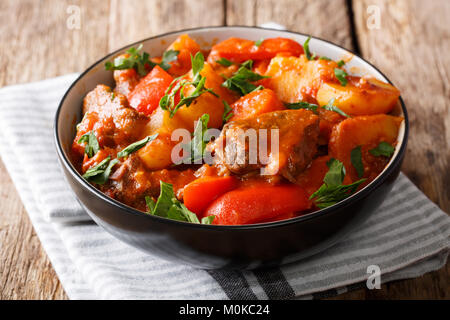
288	155
115	122
131	182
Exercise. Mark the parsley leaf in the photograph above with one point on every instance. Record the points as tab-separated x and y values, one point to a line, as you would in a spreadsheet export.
324	58
150	204
92	146
168	56
258	42
383	149
306	49
356	159
340	63
331	107
341	76
198	63
302	105
336	173
100	173
167	102
224	62
208	219
139	61
332	190
168	206
196	147
227	112
135	146
242	79
134	60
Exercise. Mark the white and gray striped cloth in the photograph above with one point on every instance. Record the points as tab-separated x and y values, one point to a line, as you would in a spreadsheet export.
407	237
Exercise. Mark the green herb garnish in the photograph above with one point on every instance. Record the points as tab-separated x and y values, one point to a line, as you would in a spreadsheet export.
324	58
258	42
227	111
331	107
306	49
224	62
150	204
168	56
92	145
341	76
383	149
196	147
168	206
332	190
178	85
242	79
139	61
208	219
136	146
100	173
302	105
356	158
340	63
134	60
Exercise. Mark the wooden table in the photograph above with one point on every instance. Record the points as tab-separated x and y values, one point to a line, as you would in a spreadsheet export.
410	45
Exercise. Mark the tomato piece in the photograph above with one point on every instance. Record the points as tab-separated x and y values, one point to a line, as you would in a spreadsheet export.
199	194
146	95
366	132
239	50
101	155
257	204
256	103
312	178
186	47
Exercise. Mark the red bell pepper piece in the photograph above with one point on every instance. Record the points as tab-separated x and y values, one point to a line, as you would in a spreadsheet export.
257	204
198	194
146	95
239	50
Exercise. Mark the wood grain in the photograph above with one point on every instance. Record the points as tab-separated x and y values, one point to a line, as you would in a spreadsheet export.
411	47
44	47
321	18
155	17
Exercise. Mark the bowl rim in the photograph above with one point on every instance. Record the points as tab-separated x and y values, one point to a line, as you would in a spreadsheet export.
379	180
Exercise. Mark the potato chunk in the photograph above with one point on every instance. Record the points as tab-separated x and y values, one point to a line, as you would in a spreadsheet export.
298	79
366	132
186	47
256	103
156	155
360	96
206	103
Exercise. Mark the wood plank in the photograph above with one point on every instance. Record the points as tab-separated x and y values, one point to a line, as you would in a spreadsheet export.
410	48
153	17
36	43
321	18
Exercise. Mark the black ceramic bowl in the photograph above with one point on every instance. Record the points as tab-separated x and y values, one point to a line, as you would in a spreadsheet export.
210	246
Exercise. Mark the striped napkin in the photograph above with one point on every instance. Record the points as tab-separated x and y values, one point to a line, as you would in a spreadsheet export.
407	237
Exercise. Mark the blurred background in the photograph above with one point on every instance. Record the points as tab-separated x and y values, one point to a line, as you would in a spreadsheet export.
408	40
